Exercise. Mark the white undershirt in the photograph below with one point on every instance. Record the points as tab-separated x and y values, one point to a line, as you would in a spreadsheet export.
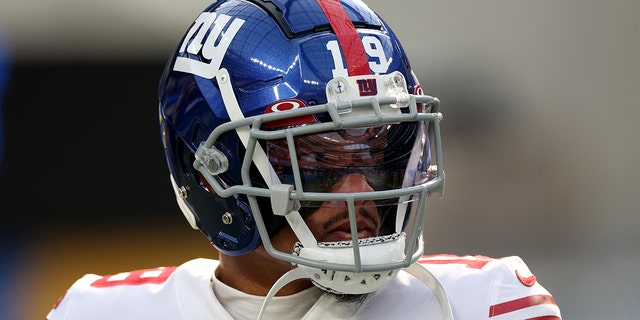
243	306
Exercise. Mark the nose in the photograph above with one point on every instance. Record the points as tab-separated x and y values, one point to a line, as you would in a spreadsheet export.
366	213
352	182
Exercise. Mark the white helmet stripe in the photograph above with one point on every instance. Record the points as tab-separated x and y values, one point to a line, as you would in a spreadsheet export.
260	157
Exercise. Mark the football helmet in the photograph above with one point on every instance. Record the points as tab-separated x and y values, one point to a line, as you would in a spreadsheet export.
269	109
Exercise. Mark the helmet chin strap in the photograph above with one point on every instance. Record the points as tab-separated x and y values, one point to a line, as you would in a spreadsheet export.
428	279
290	276
414	269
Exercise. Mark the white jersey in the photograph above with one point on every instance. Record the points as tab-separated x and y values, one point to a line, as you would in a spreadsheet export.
477	288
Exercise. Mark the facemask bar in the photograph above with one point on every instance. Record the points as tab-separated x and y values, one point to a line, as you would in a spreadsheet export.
211	162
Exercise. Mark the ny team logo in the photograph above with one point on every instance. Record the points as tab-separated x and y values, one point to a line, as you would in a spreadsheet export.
219	30
367	87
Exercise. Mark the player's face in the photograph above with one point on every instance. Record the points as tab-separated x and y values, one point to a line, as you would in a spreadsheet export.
343	161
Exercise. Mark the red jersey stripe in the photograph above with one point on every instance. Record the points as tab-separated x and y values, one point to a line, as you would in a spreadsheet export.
476	262
513	305
348	38
545	318
157	275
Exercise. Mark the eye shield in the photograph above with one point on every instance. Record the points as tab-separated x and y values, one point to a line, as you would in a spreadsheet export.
380	154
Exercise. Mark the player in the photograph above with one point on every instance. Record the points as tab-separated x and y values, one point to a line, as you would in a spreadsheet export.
300	143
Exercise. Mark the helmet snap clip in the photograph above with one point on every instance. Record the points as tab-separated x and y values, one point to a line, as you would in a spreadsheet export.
212	159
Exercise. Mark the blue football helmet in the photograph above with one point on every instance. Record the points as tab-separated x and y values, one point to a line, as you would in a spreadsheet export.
266	106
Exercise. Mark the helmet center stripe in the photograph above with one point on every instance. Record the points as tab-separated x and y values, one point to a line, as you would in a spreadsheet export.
348	38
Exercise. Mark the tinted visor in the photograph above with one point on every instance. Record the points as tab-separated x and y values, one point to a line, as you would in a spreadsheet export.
382	155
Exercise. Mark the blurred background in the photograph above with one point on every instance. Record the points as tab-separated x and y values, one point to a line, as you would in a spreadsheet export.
541	142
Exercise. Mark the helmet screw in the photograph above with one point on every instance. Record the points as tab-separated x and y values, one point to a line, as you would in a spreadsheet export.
213	165
339	86
317	276
227	218
397	80
182	192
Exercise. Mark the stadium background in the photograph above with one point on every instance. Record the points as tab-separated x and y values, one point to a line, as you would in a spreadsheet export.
541	142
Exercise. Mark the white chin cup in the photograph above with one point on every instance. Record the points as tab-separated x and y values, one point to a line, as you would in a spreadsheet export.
373	251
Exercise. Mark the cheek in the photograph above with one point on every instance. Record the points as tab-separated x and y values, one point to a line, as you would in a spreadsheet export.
314	223
284	240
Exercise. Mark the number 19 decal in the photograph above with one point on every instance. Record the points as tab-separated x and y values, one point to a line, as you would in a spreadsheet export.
374	49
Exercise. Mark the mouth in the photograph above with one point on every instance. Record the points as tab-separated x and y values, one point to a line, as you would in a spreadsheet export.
342	231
